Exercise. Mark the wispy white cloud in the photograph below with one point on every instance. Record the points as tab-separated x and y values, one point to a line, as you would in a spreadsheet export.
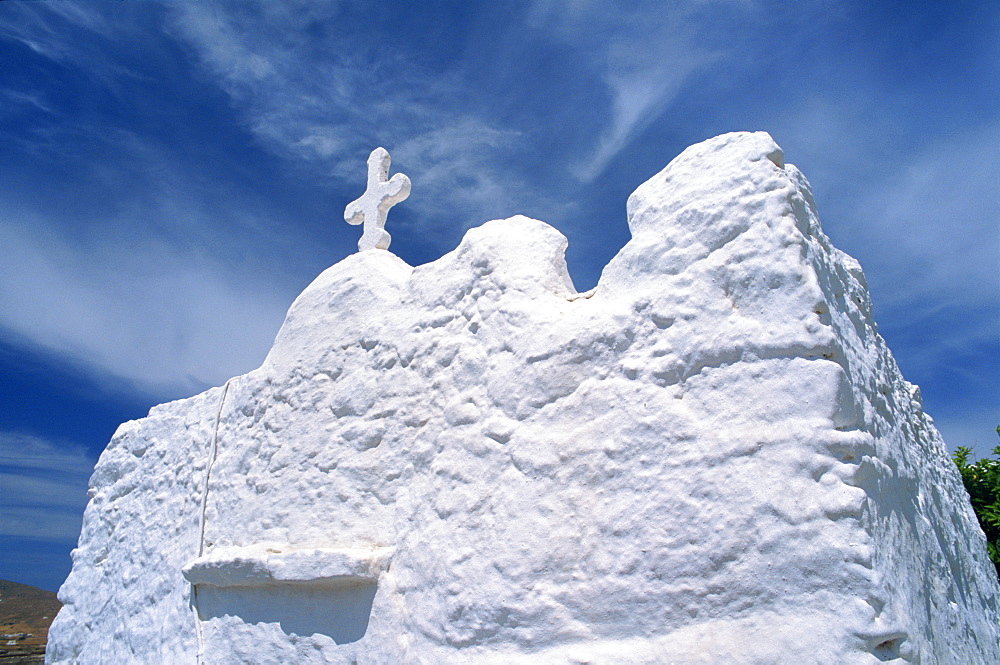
640	94
33	27
453	166
56	30
329	101
942	209
169	286
45	487
304	97
645	53
935	226
21	102
165	319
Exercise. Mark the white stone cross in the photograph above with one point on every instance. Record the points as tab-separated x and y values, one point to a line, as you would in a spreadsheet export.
373	206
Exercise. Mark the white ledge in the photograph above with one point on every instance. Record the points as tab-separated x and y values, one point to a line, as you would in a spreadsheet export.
263	565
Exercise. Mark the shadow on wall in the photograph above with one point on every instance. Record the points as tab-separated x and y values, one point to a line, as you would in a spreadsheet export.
339	613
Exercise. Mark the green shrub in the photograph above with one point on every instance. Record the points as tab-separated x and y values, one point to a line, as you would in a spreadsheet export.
982	482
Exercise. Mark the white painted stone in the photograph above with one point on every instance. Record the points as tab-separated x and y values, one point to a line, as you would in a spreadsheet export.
373	206
268	565
710	458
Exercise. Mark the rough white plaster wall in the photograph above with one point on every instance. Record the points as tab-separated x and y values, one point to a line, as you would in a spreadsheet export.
125	600
712	457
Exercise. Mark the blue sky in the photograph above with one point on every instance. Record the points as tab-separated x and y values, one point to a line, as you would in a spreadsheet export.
173	174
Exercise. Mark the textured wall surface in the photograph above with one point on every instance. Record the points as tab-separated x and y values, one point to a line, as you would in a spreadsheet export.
711	457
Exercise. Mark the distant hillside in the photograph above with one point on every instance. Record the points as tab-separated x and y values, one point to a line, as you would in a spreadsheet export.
25	615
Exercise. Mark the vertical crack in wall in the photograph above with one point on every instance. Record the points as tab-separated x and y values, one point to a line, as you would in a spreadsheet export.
213	449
